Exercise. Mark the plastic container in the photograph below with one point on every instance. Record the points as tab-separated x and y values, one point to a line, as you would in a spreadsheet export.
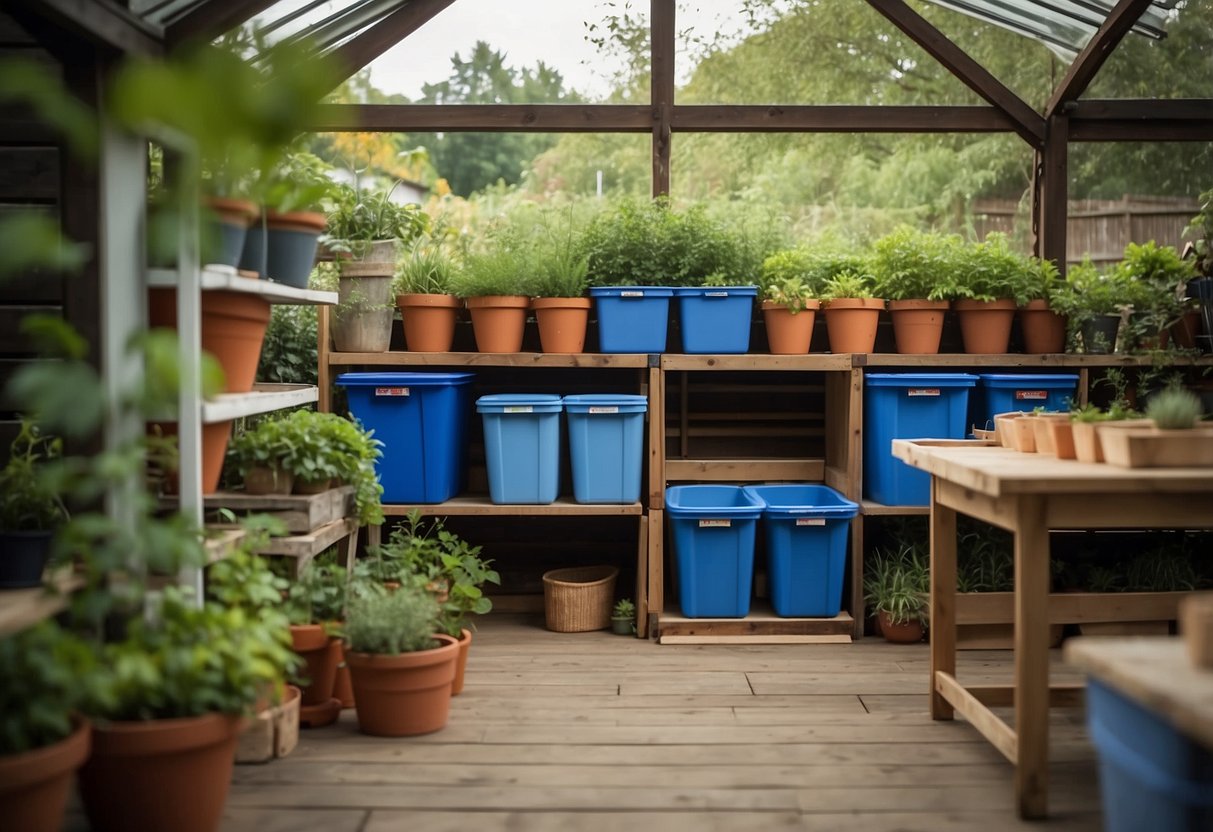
806	533
522	446
606	446
1004	392
1151	776
713	529
908	406
632	318
421	419
715	319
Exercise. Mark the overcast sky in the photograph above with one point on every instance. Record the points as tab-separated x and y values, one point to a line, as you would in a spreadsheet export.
528	31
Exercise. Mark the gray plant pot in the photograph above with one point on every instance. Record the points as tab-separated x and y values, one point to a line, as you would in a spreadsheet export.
1099	334
362	321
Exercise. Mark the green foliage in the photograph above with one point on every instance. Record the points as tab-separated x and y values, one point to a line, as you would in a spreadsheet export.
794	269
990	270
847	284
561	270
790	292
985	560
402	621
1086	294
426	270
300	182
1160	570
504	269
1200	232
897	583
45	672
1174	409
288	354
319	594
26	501
360	217
624	608
915	265
1038	281
31	239
1154	285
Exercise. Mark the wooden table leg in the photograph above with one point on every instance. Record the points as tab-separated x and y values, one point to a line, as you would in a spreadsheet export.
1032	657
351	549
943	598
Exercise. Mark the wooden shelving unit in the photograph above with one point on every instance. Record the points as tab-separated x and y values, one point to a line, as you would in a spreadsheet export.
481	505
21	608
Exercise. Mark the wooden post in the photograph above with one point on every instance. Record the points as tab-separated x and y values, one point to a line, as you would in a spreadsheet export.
1052	193
324	382
661	84
943	598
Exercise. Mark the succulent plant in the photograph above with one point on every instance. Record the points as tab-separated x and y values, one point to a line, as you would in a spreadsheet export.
1174	409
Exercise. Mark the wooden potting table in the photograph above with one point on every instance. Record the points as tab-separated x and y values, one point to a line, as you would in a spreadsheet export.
1029	494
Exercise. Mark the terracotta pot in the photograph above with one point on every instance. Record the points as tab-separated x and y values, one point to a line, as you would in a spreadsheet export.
498	322
789	333
1186	329
1062	431
313	487
264	479
362	321
160	773
1041	426
404	695
34	784
1044	331
562	323
428	321
903	632
985	326
321	654
214	449
917	325
233	329
851	324
343	687
1086	442
461	666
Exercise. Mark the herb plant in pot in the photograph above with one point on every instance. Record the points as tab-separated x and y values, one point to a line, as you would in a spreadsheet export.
987	276
1155	280
428	310
30	511
402	668
852	313
1174	439
317	599
623	618
1090	301
915	272
465	574
1044	328
789	302
559	283
496	285
263	455
282	244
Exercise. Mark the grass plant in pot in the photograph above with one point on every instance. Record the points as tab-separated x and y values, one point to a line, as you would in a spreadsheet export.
1085	421
496	284
896	588
428	309
1175	438
987	276
789	301
315	602
915	271
1044	328
30	510
559	283
402	667
852	313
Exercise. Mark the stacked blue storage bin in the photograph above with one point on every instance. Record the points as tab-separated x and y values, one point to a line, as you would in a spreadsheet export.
522	446
713	528
606	446
1006	392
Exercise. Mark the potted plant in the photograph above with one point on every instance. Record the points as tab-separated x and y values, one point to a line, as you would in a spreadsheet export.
1088	446
465	573
852	313
262	455
915	271
987	277
1156	286
315	602
428	309
623	618
1173	438
896	588
1089	301
1044	328
281	244
789	301
560	280
30	511
402	668
43	738
496	284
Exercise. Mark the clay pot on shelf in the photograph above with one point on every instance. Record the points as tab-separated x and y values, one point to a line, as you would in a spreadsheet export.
917	325
1044	331
498	322
985	326
851	324
428	321
788	332
562	323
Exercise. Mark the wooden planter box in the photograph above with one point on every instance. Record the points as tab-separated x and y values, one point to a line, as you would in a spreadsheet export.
1154	448
273	733
300	512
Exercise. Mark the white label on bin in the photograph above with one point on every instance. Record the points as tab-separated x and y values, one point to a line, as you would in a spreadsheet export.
519	408
604	409
631	294
923	391
391	391
715	294
715	524
1032	395
811	521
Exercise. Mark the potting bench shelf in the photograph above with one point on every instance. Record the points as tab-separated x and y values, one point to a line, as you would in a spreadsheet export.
224	278
21	608
489	359
1022	361
481	505
263	398
870	508
756	361
1072	607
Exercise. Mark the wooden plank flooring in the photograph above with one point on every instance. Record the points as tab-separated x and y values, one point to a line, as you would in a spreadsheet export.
591	731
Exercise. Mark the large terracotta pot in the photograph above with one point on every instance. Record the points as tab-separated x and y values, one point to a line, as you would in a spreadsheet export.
429	321
461	666
562	323
34	784
789	333
343	687
917	325
851	324
160	774
498	322
902	632
321	654
404	695
985	325
1044	331
233	329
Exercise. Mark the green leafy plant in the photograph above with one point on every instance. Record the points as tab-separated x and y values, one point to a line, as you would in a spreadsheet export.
503	269
360	217
300	182
1200	232
1038	280
789	292
319	594
896	582
985	560
624	608
426	270
915	265
847	284
44	673
465	573
1086	294
990	270
1174	409
391	623
1103	579
1160	570
790	267
1154	287
27	503
288	354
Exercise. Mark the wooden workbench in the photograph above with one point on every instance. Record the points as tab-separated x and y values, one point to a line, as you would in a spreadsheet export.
1028	495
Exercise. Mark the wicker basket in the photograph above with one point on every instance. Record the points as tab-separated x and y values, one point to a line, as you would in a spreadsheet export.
579	599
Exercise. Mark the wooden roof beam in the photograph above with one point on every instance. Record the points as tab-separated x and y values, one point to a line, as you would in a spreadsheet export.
368	45
101	21
212	19
1147	120
1078	77
842	118
1025	121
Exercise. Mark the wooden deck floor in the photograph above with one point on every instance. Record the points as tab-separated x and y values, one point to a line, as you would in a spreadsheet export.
593	731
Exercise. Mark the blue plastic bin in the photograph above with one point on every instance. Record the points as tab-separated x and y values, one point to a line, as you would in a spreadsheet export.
713	528
422	420
806	530
908	406
632	318
522	446
1005	392
715	319
606	446
1151	776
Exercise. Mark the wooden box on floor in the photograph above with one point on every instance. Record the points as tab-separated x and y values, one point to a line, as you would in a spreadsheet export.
272	733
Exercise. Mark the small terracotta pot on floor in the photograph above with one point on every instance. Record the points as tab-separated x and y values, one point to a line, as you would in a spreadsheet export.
404	695
465	647
34	785
902	632
321	654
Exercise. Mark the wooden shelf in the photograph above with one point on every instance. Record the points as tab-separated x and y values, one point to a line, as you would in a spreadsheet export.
481	505
21	608
1018	360
264	398
873	509
225	278
761	626
744	470
220	542
1072	607
756	361
487	359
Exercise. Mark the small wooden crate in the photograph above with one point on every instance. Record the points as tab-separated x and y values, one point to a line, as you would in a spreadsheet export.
273	733
300	512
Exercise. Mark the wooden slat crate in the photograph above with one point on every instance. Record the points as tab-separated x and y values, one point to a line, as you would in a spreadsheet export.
300	512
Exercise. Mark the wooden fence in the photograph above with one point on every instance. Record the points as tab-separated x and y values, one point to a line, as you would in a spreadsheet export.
1098	228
